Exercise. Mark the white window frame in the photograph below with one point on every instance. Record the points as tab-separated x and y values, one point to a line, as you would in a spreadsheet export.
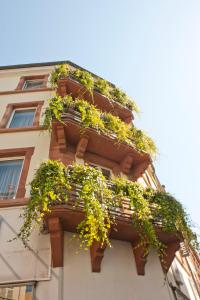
19	285
99	167
14	158
25	84
20	109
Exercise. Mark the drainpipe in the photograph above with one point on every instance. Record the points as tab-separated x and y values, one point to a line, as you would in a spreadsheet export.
60	283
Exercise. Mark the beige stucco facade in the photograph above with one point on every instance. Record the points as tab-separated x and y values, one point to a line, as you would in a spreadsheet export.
118	278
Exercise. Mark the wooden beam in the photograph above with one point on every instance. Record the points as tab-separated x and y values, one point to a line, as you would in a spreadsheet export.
61	139
57	241
81	147
169	255
62	87
96	255
126	164
140	257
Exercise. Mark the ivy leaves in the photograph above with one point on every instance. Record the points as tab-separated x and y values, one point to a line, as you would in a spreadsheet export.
101	121
91	83
53	182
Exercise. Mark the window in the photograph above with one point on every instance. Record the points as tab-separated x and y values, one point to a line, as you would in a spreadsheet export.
33	84
14	166
106	172
22	118
21	292
21	115
10	171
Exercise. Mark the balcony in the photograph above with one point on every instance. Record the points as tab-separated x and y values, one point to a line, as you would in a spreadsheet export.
66	217
77	90
88	142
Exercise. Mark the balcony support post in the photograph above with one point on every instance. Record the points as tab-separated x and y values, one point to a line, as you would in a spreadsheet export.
169	255
57	241
126	164
81	147
62	87
96	255
140	257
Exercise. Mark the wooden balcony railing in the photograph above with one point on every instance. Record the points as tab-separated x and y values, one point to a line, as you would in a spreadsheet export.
77	90
67	216
89	141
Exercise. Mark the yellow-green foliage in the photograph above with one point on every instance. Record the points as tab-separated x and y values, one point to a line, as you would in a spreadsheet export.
91	83
51	186
101	121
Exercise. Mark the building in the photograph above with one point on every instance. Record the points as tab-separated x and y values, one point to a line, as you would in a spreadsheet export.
50	267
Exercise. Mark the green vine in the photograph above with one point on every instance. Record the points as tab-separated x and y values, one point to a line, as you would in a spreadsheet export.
52	185
85	78
103	87
60	72
101	121
91	83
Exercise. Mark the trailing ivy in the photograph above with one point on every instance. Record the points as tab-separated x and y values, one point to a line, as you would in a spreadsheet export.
123	99
60	72
52	185
91	83
101	121
142	214
171	214
103	87
85	78
49	186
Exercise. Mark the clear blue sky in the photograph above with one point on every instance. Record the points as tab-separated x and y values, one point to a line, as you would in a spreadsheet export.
151	49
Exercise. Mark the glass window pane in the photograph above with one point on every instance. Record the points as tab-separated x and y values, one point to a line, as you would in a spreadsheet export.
22	118
16	292
9	177
33	84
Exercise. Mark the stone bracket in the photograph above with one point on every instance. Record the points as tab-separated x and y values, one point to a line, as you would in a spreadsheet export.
62	87
61	140
140	257
57	241
81	147
169	255
126	164
96	255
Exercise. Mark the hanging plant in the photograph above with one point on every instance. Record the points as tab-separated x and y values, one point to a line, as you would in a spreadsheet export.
103	87
142	214
85	78
91	83
61	71
97	198
172	215
49	186
53	182
123	99
101	121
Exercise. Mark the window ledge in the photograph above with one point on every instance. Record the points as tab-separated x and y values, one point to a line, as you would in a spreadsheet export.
13	202
21	129
26	91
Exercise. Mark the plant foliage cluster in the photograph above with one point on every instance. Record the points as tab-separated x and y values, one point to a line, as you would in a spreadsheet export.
91	83
101	121
52	185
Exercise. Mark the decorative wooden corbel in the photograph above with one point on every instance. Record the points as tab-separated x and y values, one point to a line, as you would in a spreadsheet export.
96	255
61	140
140	169
128	120
126	164
140	257
169	255
57	241
81	147
62	88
